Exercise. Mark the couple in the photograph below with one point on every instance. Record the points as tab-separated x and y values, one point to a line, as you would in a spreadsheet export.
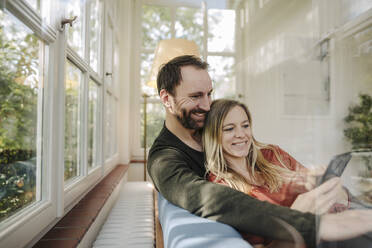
178	166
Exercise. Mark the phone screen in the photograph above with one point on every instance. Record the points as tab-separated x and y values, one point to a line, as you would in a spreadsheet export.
336	167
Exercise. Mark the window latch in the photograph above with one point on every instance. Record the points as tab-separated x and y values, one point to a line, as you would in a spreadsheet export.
67	21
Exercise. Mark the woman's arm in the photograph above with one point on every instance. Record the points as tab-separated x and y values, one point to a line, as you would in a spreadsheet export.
322	197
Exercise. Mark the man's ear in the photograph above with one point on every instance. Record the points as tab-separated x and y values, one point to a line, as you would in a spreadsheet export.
165	98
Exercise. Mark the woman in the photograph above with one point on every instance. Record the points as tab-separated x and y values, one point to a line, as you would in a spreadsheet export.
266	172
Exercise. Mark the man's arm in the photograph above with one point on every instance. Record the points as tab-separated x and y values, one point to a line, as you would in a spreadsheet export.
182	186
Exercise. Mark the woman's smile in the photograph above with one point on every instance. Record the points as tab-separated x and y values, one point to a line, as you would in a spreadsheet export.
236	134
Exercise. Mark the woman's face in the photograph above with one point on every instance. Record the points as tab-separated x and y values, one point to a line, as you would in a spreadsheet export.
236	134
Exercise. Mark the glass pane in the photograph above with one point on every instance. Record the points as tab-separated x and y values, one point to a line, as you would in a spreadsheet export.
353	8
72	120
222	71
107	136
93	113
41	6
36	4
116	69
155	119
95	34
221	25
113	135
21	73
75	34
146	64
189	25
109	36
225	4
156	25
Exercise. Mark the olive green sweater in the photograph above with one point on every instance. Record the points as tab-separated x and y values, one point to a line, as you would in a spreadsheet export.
178	173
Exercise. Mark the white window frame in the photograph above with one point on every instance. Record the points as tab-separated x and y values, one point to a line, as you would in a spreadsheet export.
98	134
29	224
19	229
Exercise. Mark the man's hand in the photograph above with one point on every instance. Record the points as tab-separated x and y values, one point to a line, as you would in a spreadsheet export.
321	199
345	225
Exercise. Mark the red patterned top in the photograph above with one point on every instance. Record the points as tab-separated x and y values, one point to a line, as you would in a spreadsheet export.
287	193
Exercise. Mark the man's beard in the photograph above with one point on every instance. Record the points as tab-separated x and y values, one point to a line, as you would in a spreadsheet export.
188	122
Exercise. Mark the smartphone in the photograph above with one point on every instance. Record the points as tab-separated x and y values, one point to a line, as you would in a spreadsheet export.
336	167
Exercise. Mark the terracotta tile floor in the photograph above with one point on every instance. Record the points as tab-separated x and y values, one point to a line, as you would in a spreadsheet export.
70	230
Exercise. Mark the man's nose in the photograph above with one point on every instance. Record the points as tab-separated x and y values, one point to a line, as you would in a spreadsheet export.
205	103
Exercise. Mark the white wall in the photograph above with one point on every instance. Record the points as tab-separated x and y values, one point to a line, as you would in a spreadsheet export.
125	17
280	42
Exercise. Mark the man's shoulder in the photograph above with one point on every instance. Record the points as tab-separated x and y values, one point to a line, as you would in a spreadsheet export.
168	147
166	142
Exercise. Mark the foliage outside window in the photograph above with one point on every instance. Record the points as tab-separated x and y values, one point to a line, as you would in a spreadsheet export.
190	30
156	25
216	42
21	69
155	121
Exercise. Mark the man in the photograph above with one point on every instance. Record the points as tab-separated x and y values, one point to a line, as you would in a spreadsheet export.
176	166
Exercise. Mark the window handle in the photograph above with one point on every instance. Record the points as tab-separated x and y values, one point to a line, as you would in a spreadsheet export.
108	73
67	21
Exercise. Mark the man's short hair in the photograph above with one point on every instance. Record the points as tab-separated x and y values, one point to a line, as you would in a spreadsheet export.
169	75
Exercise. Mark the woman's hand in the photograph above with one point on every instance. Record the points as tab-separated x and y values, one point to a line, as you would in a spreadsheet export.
346	225
320	199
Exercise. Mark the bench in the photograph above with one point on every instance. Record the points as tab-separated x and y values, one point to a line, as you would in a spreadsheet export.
131	220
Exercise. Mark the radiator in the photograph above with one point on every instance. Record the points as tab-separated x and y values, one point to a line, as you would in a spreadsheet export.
130	223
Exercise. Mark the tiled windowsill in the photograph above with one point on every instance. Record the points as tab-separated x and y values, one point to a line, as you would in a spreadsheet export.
70	230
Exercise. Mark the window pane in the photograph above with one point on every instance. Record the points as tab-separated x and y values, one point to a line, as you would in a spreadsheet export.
95	34
116	69
353	8
156	25
189	25
155	119
75	34
41	6
109	52
146	64
107	136
222	71
221	25
72	120
36	4
113	143
93	113
21	71
110	126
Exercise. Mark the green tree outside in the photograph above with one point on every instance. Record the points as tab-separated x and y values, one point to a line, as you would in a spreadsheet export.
19	69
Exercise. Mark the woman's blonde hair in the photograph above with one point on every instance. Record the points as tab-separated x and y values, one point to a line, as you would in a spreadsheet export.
271	174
